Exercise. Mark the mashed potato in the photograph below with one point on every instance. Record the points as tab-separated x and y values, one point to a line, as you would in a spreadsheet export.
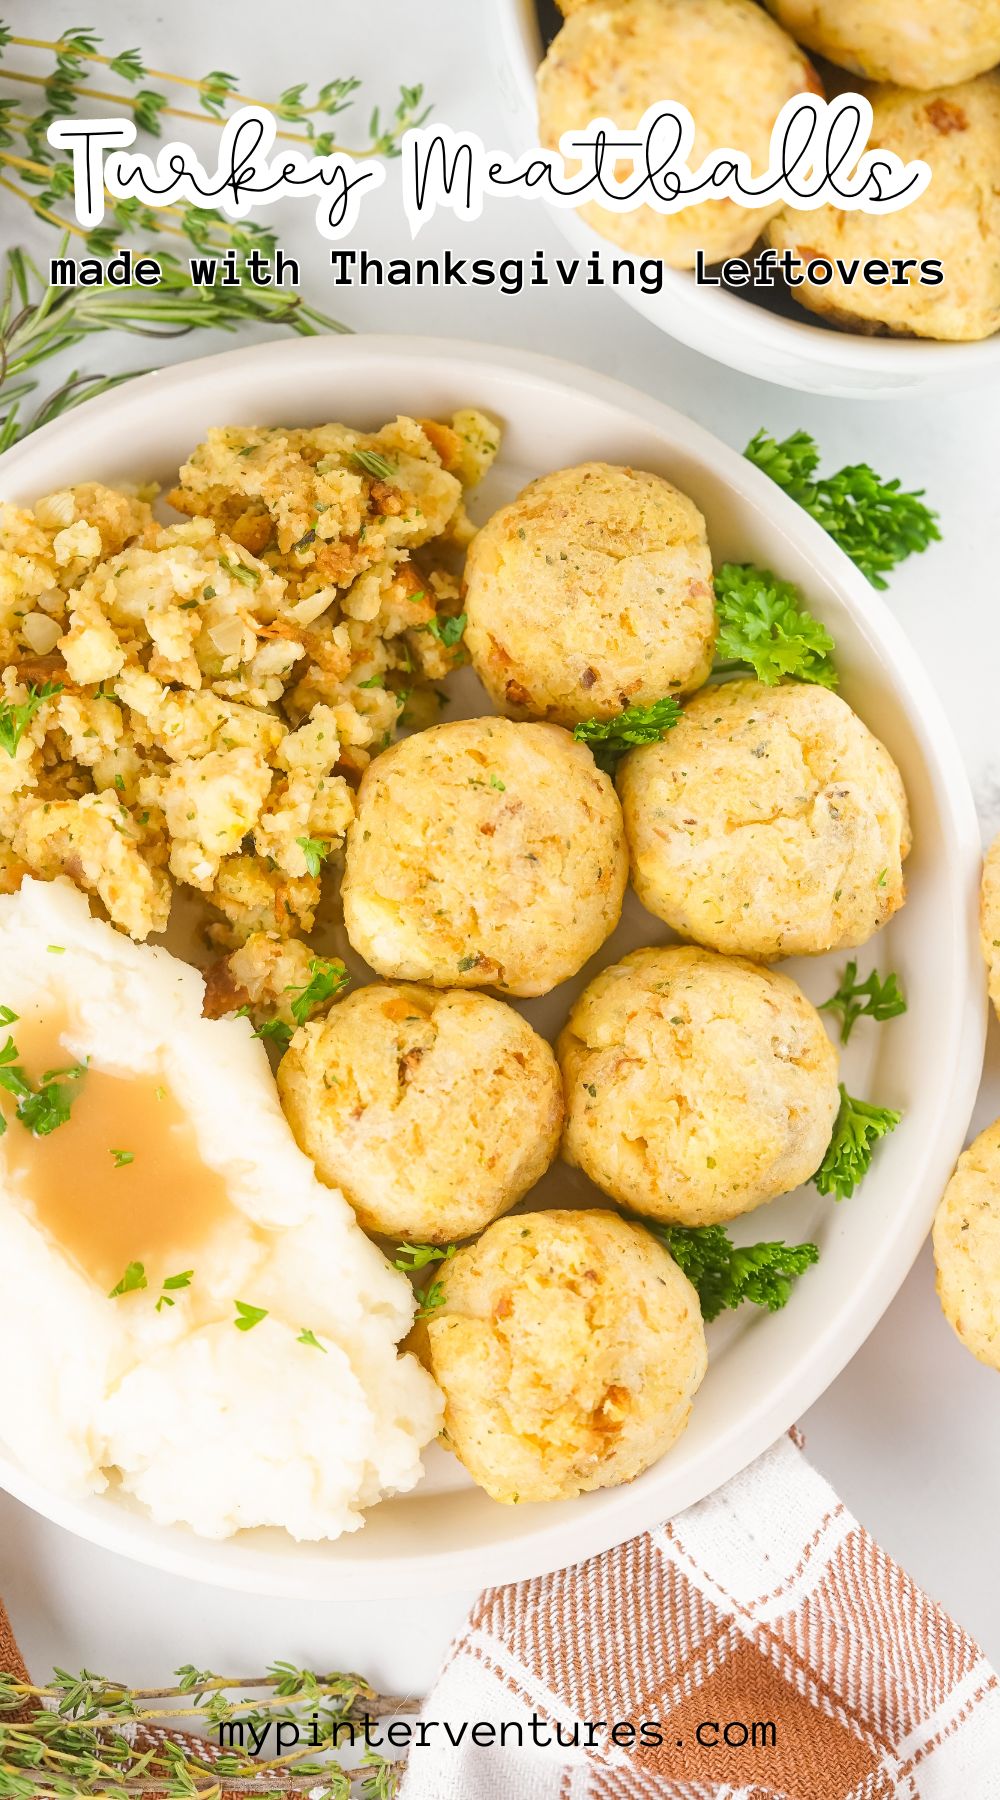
484	854
917	43
725	60
769	822
432	1112
956	130
207	1425
569	1348
989	920
590	592
967	1248
697	1087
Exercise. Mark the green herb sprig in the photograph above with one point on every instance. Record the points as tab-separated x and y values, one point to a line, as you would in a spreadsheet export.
75	1736
724	1274
857	1129
410	1257
765	626
875	522
42	1109
873	998
609	739
37	320
14	720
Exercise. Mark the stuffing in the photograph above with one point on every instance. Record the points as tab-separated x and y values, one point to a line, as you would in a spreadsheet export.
193	703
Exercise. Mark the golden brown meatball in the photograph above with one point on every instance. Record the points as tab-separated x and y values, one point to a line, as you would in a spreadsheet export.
590	592
431	1111
917	43
956	131
568	1348
697	1086
967	1248
769	822
989	920
484	854
725	60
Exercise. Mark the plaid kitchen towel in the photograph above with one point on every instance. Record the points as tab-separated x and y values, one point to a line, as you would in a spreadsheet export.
760	1646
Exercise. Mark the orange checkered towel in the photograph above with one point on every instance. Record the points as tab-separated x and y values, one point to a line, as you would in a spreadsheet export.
760	1646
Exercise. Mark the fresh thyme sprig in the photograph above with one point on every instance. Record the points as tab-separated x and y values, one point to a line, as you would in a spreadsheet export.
39	321
73	1739
875	522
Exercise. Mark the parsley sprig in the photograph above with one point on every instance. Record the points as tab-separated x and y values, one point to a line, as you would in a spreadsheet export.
764	625
875	522
856	1131
872	998
609	739
420	1256
327	978
14	719
42	1109
410	1257
725	1274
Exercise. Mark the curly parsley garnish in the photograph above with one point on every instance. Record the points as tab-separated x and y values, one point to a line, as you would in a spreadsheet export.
856	1131
421	1256
133	1279
248	1316
171	1285
875	522
326	979
315	851
725	1274
448	631
373	464
14	720
40	1109
122	1158
609	739
310	1338
872	998
765	626
430	1299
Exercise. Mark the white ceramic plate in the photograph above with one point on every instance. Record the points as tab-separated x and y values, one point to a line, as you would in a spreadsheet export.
717	321
764	1370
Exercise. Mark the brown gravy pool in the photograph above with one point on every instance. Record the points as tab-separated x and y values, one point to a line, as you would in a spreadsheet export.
156	1210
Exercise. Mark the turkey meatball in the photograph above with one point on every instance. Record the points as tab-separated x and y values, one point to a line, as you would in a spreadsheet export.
432	1111
592	591
484	854
769	822
697	1086
725	60
568	1348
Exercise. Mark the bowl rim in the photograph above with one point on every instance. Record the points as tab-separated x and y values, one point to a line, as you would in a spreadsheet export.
730	328
958	1049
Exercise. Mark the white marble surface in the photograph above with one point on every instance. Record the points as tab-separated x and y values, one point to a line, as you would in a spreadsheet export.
908	1434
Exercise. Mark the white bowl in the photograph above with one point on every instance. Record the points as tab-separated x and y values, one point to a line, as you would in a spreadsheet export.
718	321
764	1370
